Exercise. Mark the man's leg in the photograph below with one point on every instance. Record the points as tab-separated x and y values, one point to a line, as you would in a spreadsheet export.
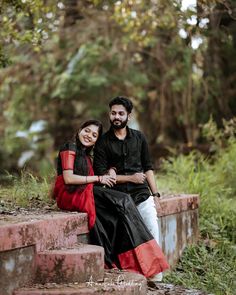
148	212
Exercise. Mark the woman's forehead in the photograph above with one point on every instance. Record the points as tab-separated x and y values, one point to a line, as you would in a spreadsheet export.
92	127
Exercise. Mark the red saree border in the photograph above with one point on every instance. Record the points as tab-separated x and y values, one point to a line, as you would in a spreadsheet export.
146	259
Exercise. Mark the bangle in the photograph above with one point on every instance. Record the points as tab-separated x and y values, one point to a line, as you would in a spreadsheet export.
156	195
86	179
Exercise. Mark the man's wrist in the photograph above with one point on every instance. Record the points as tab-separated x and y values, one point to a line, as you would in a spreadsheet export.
156	194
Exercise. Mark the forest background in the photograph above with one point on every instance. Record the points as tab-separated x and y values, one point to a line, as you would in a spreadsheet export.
62	61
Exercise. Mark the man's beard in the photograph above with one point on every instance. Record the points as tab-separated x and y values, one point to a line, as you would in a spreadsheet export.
121	125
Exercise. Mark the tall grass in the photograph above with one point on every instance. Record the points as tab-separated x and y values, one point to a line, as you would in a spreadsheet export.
25	191
210	265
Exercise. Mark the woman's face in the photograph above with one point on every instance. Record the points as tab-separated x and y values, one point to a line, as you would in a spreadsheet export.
88	135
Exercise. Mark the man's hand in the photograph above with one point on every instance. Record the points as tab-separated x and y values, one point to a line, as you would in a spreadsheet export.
138	177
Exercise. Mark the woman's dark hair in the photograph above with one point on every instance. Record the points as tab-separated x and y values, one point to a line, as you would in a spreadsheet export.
122	100
82	167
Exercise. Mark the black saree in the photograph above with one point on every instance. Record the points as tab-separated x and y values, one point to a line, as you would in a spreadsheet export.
119	228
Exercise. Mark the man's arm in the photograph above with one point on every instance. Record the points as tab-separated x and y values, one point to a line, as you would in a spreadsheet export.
148	167
138	177
151	181
100	161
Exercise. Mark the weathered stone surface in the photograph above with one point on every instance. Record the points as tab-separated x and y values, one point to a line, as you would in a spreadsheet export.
178	218
173	204
178	231
178	222
18	263
115	283
70	265
45	231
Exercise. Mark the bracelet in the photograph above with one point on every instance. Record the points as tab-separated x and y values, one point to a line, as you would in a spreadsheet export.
86	181
156	195
99	178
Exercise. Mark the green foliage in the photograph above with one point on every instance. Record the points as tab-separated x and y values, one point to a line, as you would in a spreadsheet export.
210	265
26	23
194	174
27	191
61	62
210	268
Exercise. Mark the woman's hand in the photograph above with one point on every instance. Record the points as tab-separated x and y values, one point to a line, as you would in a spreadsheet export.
107	180
112	172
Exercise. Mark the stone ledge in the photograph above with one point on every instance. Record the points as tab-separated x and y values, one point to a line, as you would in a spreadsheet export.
43	231
176	203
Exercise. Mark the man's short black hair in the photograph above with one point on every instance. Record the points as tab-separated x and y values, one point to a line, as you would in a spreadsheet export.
122	100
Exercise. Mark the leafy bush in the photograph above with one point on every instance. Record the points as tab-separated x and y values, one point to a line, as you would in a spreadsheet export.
210	265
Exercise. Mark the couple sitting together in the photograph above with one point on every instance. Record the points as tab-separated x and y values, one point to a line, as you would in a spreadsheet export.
116	191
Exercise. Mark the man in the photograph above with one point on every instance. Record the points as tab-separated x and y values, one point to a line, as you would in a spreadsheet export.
125	151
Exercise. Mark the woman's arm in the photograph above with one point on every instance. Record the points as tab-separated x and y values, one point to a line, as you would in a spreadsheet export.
71	178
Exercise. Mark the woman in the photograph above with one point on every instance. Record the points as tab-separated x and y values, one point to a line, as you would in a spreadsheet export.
113	218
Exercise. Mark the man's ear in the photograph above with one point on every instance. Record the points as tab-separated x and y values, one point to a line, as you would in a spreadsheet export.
129	116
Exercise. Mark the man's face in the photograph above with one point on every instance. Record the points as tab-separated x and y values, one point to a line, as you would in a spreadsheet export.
119	117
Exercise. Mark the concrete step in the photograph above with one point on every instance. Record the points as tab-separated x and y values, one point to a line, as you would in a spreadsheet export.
75	264
115	283
45	231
